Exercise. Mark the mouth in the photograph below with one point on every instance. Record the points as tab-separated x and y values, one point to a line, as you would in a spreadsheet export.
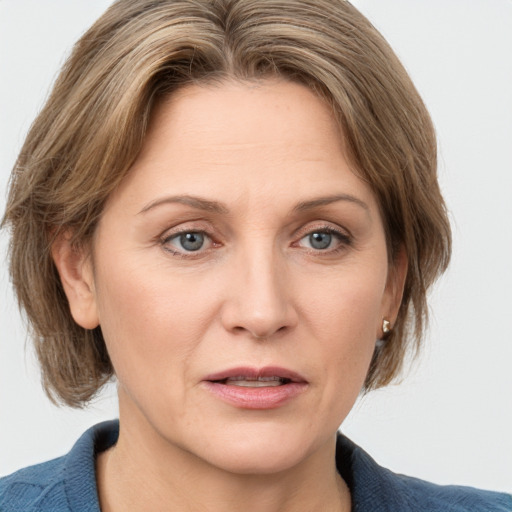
259	382
256	377
251	388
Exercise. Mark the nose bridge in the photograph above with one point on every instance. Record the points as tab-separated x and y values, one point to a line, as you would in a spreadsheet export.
259	301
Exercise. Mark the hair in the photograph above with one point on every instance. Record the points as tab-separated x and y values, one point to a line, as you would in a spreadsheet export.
92	127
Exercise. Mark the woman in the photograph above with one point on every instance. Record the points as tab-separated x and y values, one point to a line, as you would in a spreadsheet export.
229	201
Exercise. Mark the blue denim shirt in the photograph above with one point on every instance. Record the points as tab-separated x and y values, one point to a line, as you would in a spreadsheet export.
68	484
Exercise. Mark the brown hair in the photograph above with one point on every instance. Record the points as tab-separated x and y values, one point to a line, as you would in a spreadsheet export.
92	127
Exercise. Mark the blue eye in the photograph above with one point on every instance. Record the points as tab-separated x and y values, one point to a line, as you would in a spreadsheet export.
325	239
320	240
189	241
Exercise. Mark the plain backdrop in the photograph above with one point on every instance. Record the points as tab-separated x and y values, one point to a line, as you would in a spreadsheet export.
450	421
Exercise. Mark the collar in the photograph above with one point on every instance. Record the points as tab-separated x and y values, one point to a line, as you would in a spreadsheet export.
372	487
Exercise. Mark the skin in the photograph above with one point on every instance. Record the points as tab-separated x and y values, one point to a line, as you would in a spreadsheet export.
257	293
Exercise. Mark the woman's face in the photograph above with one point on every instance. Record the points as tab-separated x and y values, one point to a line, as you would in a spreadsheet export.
240	246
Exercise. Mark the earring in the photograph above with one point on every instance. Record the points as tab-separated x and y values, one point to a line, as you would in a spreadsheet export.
386	329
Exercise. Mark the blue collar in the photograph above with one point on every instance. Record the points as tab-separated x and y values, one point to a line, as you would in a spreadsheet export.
373	488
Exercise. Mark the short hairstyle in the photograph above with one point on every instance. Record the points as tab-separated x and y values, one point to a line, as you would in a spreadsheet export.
91	129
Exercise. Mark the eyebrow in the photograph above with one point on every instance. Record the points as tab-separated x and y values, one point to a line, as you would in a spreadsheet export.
324	201
193	201
216	207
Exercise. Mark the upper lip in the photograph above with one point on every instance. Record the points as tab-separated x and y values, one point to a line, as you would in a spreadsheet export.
254	373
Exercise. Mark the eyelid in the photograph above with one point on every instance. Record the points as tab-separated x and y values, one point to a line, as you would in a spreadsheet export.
177	234
325	227
174	233
186	226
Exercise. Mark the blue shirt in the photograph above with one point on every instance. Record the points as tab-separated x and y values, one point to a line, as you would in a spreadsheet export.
68	484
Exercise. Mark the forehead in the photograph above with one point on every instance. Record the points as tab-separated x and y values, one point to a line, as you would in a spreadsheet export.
233	118
244	141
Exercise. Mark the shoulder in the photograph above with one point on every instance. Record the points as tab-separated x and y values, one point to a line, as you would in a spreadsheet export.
377	489
422	495
39	487
66	484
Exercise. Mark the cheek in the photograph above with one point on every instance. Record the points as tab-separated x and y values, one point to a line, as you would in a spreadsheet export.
348	304
344	320
150	323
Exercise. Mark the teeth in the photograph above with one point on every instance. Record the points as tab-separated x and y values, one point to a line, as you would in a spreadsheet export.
259	382
254	383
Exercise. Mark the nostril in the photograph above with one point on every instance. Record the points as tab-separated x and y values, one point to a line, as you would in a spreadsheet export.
257	319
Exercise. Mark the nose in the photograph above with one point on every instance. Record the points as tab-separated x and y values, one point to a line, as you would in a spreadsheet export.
259	300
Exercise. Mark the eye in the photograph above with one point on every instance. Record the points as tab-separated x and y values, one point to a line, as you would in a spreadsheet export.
187	241
325	239
319	240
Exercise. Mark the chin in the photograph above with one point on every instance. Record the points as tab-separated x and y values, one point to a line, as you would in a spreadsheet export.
263	449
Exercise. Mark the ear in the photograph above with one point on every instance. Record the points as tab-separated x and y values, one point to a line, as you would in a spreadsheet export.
76	274
393	293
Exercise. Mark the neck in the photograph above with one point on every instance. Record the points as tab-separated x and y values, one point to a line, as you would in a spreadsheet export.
123	488
145	472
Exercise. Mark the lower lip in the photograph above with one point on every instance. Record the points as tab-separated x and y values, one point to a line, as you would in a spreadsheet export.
269	397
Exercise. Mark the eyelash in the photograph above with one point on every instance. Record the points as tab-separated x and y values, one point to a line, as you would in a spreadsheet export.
344	241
